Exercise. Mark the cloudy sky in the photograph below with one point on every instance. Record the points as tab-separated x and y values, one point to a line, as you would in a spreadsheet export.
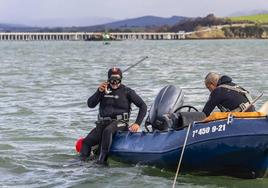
24	11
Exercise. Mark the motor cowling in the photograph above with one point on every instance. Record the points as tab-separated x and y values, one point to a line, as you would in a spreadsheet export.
166	102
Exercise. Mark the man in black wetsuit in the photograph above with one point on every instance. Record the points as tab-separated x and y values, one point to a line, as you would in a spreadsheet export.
226	95
115	101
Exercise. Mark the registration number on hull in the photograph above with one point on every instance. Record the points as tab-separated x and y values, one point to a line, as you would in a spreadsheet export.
208	130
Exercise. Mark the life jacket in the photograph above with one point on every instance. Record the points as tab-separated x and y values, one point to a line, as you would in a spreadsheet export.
243	92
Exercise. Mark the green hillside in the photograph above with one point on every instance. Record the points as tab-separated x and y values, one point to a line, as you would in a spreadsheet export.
259	18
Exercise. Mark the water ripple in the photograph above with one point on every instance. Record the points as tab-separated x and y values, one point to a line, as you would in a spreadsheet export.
44	88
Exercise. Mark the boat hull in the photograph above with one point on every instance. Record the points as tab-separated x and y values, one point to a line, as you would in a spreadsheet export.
237	148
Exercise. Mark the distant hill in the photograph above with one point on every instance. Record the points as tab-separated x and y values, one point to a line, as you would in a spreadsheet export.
146	21
141	23
5	27
192	24
258	18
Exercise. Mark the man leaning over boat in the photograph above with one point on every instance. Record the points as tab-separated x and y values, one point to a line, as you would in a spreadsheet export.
226	95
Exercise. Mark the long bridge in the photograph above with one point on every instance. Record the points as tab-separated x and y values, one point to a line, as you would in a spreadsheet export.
87	36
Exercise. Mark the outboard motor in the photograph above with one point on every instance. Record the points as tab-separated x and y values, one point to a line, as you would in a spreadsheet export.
166	102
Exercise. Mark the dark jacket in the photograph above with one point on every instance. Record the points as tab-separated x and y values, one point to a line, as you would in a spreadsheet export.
227	98
118	102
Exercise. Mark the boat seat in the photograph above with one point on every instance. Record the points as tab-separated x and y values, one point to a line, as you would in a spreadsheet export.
264	108
186	118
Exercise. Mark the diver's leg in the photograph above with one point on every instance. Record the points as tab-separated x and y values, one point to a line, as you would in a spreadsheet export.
107	137
92	139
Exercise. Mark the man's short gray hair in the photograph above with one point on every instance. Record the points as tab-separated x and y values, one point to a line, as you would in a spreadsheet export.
212	78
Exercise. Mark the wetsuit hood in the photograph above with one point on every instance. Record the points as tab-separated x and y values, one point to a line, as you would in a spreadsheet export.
115	71
224	80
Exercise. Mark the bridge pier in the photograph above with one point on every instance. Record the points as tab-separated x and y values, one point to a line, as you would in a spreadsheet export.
61	36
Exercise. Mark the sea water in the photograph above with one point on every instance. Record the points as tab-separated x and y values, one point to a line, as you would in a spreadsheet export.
44	87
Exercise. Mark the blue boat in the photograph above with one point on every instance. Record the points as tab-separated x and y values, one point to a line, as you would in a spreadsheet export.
236	144
238	149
